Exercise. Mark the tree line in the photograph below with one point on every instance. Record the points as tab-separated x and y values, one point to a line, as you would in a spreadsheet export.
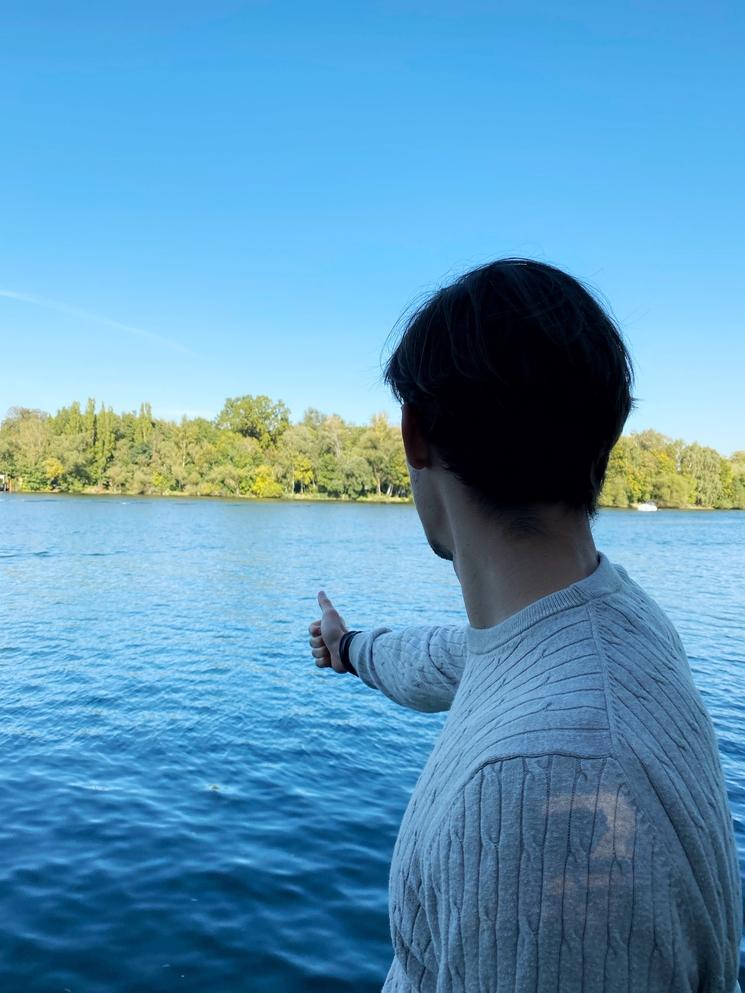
251	449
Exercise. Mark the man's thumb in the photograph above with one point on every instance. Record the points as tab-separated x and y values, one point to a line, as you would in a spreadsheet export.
324	602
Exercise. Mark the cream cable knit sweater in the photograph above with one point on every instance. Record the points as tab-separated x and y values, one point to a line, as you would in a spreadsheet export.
570	830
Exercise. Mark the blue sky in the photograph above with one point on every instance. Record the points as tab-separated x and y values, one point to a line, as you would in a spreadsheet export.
201	200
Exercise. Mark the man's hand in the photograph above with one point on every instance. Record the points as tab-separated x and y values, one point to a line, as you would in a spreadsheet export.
326	635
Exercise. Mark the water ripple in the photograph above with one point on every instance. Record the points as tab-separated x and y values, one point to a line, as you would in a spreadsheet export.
189	802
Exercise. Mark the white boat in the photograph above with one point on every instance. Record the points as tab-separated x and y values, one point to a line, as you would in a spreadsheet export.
646	506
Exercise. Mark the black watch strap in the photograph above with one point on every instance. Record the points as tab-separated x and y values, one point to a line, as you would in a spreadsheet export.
344	651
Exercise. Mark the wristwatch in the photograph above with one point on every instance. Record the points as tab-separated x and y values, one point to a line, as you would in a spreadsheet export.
344	651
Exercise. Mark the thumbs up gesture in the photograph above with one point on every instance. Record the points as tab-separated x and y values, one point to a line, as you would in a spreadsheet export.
326	634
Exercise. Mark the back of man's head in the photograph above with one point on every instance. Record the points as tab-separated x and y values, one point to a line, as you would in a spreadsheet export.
521	383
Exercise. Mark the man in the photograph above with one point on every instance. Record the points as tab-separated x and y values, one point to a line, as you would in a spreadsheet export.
570	830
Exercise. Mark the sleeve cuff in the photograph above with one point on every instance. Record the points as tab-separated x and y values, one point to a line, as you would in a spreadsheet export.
344	654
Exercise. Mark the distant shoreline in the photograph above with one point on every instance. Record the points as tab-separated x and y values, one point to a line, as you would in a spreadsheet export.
252	451
243	497
315	498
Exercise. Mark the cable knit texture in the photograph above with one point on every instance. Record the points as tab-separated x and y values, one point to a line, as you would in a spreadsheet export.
570	831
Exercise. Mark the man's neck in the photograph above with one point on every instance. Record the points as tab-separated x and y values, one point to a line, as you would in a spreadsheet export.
500	576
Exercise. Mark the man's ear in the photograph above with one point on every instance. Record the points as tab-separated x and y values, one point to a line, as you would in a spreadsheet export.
418	451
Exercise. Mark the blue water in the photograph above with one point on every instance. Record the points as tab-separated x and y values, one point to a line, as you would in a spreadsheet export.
188	802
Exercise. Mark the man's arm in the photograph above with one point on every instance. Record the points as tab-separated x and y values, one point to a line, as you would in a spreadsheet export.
544	875
418	667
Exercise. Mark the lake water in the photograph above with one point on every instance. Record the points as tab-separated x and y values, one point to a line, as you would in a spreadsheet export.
189	803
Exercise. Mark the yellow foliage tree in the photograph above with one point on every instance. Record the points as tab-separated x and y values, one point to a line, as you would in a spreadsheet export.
264	484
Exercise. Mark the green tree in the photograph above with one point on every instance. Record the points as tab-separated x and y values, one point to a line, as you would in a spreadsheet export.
143	426
703	465
614	492
737	461
89	422
379	444
104	443
255	417
356	475
672	490
623	483
69	420
329	475
26	440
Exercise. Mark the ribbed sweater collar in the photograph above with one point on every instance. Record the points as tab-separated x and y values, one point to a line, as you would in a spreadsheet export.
605	579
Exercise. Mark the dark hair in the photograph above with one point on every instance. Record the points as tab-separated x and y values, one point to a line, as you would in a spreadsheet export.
521	382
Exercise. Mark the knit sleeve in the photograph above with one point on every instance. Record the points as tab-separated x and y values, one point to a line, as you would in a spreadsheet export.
417	667
543	875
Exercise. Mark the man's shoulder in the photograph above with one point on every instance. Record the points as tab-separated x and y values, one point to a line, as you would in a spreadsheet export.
646	670
632	611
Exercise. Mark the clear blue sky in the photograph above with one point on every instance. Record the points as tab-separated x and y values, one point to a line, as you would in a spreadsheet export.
201	200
